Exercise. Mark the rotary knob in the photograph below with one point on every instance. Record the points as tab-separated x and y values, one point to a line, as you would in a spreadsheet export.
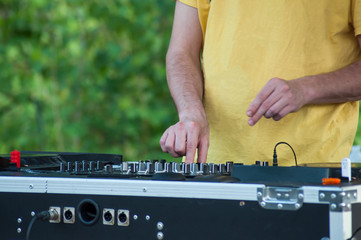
100	165
168	167
214	169
186	168
141	167
91	166
150	167
222	168
158	167
204	168
229	167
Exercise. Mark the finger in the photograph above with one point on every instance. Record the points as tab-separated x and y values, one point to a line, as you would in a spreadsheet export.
276	108
203	150
266	105
192	142
286	110
162	141
180	140
169	143
266	91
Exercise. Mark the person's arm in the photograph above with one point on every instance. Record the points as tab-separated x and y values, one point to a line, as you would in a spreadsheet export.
185	82
279	97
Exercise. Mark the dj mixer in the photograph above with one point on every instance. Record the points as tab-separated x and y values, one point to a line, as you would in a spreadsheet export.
56	196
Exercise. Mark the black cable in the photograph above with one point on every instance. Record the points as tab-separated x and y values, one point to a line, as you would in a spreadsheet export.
44	215
275	163
354	233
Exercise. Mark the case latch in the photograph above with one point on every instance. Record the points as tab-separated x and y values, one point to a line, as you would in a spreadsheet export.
280	198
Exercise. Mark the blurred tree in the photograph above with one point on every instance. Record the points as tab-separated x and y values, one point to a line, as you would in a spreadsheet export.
85	75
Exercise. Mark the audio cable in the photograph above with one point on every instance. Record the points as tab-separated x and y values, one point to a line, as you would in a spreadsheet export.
51	214
275	162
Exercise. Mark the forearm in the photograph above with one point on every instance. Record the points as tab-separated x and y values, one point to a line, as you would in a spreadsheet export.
185	82
340	86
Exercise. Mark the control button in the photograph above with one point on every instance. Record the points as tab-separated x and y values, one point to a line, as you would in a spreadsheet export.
15	158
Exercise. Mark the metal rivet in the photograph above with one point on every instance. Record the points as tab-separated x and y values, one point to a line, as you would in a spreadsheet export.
160	235
32	214
31	186
287	195
355	195
147	217
135	217
259	194
263	204
333	196
333	206
279	206
342	194
279	195
322	195
300	195
20	220
242	203
342	205
160	225
144	189
297	205
19	230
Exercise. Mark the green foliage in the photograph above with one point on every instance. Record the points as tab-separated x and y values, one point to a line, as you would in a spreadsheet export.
85	75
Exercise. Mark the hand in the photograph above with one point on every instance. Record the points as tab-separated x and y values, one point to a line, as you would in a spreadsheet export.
183	138
276	99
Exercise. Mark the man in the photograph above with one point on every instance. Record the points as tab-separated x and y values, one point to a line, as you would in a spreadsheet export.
273	70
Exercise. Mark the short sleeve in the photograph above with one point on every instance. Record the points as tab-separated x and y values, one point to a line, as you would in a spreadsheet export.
192	3
356	16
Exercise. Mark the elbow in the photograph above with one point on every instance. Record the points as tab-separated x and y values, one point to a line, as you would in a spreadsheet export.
180	56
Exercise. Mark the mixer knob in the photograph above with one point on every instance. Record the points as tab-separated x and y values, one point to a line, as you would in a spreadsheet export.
133	167
168	167
150	167
109	168
70	166
186	168
125	167
176	167
84	166
163	161
158	167
141	166
204	168
214	169
229	167
62	167
77	167
222	168
194	168
91	166
100	165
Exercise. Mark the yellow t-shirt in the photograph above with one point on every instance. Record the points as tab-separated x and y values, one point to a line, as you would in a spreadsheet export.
248	42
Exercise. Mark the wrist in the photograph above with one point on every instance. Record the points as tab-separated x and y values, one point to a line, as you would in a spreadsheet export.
192	113
306	87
